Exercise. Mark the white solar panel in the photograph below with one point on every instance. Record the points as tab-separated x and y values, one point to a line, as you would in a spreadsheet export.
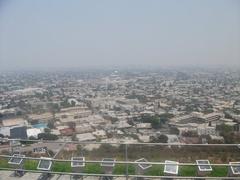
78	162
171	167
235	169
204	165
108	162
17	159
45	164
143	166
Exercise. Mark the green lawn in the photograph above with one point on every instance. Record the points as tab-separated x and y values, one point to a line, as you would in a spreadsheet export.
155	170
121	169
93	168
62	167
219	171
188	171
30	164
3	163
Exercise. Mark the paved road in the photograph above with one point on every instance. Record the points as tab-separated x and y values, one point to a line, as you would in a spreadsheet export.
51	146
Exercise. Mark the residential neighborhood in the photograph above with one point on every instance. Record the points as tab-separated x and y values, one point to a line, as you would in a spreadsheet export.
140	106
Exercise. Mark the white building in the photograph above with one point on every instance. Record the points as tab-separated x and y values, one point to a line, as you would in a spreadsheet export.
144	126
86	137
206	130
33	132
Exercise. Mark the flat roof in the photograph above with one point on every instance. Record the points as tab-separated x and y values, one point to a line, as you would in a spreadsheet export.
78	162
45	164
235	169
143	166
17	159
13	122
206	165
171	167
108	162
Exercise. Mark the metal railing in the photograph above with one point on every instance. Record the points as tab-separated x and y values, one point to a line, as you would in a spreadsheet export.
115	175
119	143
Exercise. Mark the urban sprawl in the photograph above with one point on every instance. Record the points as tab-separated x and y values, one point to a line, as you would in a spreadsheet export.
159	106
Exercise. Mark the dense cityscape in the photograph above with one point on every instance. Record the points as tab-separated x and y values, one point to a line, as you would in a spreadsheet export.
174	106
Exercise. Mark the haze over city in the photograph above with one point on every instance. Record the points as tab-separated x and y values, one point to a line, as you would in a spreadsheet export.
119	89
55	34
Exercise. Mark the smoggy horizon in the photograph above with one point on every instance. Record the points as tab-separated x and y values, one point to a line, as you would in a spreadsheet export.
106	34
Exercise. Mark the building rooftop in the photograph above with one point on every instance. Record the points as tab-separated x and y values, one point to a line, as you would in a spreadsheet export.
14	122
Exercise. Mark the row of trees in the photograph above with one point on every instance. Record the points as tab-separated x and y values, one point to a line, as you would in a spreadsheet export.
228	132
157	120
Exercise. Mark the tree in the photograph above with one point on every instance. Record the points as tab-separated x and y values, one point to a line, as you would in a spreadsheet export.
130	121
65	104
72	125
74	137
160	139
224	129
53	107
47	130
73	103
32	138
174	130
227	132
165	117
47	136
29	142
50	124
163	138
228	116
154	120
19	113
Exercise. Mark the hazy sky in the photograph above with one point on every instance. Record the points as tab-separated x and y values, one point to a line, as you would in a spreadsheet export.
77	33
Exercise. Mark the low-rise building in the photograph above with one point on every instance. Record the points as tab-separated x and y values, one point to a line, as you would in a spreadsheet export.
33	132
84	128
86	137
100	134
206	130
144	126
14	122
45	117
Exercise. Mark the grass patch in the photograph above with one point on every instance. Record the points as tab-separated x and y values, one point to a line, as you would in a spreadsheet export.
121	169
93	168
219	171
187	170
155	170
30	164
4	163
62	167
